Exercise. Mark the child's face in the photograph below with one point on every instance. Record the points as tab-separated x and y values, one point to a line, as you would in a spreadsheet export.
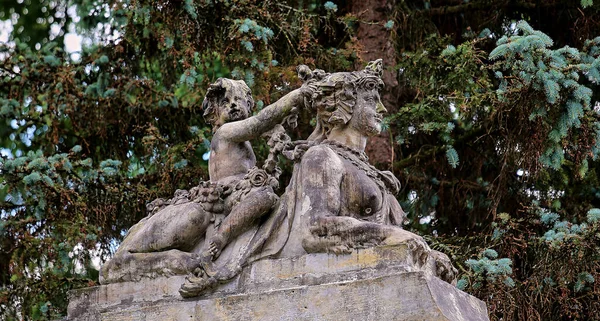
234	104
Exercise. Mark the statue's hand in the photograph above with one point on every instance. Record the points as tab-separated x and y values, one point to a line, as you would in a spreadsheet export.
304	73
308	91
300	147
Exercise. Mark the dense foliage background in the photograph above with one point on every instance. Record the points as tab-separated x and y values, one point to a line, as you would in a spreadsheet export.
494	130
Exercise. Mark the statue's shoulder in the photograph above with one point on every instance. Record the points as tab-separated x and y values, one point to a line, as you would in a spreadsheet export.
224	132
321	155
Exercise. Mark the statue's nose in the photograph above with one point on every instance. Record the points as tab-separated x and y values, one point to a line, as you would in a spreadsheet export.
380	108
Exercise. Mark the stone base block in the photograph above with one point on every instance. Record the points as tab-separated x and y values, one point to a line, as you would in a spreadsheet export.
370	284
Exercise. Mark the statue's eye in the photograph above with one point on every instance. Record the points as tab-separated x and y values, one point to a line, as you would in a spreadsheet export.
371	85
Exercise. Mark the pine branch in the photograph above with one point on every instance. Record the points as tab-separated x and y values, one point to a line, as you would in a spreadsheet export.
464	184
413	159
435	151
484	4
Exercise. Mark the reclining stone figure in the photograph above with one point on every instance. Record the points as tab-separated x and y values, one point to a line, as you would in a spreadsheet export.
340	201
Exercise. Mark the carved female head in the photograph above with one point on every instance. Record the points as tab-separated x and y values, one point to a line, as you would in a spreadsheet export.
349	99
227	100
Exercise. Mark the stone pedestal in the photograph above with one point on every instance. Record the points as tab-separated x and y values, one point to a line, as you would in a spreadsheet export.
372	284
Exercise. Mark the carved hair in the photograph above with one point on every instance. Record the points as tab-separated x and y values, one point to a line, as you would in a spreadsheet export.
336	96
217	92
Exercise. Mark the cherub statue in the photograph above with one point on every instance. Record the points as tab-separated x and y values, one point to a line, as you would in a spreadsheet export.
232	165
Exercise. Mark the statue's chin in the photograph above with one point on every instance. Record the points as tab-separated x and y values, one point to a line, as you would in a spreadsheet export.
373	131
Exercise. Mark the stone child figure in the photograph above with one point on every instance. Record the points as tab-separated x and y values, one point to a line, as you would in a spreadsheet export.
163	242
232	161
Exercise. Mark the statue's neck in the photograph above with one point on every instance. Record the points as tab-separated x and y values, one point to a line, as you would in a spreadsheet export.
349	137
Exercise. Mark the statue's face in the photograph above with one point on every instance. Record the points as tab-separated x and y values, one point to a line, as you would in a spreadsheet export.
368	111
234	104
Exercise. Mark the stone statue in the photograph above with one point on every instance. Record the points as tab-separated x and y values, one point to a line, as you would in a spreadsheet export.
330	247
343	201
231	167
336	201
163	242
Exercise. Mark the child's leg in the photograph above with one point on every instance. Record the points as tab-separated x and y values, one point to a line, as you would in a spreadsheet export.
252	207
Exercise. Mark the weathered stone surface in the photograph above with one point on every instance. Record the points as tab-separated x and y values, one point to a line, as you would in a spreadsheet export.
378	283
331	247
336	200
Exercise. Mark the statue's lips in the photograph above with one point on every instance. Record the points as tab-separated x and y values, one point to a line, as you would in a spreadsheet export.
235	113
379	117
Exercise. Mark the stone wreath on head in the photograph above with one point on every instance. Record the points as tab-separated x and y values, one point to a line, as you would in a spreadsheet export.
335	97
215	94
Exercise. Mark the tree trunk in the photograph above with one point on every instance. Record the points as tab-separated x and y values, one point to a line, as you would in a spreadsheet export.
377	43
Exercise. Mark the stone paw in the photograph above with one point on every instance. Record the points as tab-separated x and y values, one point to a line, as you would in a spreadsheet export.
194	286
443	267
419	249
214	250
416	244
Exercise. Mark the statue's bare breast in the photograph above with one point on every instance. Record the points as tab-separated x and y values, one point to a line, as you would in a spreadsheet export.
361	197
229	159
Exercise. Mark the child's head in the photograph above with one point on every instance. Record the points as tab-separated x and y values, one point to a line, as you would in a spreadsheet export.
227	100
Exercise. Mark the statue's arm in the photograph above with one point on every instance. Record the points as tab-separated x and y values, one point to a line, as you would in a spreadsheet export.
266	119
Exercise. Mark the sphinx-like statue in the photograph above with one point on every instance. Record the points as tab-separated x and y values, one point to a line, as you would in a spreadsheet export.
336	202
341	201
